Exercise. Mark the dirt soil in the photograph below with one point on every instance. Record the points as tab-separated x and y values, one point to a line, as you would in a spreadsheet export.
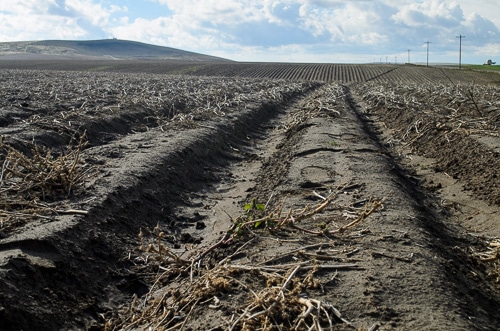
290	212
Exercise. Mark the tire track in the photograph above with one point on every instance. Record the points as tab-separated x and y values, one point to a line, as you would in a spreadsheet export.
406	279
79	265
409	271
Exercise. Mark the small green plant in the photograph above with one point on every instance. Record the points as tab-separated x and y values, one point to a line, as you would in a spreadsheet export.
333	143
254	206
254	211
255	215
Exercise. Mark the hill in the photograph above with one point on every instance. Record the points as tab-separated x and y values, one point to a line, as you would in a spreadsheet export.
97	49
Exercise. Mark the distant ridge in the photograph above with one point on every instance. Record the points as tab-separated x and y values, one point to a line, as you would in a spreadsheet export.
97	49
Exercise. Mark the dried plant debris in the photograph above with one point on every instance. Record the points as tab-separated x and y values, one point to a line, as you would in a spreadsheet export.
34	185
465	108
491	256
65	105
65	102
275	294
455	124
311	257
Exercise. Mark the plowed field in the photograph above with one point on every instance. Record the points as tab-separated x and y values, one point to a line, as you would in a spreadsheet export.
243	196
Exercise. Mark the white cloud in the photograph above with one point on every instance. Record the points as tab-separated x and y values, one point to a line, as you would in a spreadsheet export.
92	12
488	50
231	28
351	23
37	27
215	12
430	13
196	25
480	27
271	29
155	31
27	7
52	19
484	8
290	53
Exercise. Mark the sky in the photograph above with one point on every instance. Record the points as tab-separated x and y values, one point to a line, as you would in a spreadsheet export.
312	31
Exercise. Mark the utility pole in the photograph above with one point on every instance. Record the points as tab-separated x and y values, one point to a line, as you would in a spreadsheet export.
460	53
409	56
395	60
427	42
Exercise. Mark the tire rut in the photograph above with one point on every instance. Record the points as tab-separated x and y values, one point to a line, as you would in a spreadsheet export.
407	267
404	249
413	270
463	280
80	264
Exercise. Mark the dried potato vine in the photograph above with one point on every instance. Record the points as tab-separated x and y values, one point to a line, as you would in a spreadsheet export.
274	301
467	108
31	186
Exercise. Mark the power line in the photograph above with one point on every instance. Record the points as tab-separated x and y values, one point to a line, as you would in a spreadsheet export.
427	42
460	53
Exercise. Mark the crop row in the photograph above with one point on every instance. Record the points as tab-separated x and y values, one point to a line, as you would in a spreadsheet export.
470	107
48	119
323	72
457	125
116	103
345	73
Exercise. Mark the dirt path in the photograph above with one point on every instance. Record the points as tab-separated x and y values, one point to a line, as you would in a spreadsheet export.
411	269
373	243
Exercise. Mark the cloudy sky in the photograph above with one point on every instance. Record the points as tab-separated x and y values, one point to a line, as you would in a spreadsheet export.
349	31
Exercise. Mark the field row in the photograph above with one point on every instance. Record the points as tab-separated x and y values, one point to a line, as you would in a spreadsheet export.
346	73
323	72
455	124
48	118
62	104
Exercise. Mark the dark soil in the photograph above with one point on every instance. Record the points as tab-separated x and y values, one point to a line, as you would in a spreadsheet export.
413	263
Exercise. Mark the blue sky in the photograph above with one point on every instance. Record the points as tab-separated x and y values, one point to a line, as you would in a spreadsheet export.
355	31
